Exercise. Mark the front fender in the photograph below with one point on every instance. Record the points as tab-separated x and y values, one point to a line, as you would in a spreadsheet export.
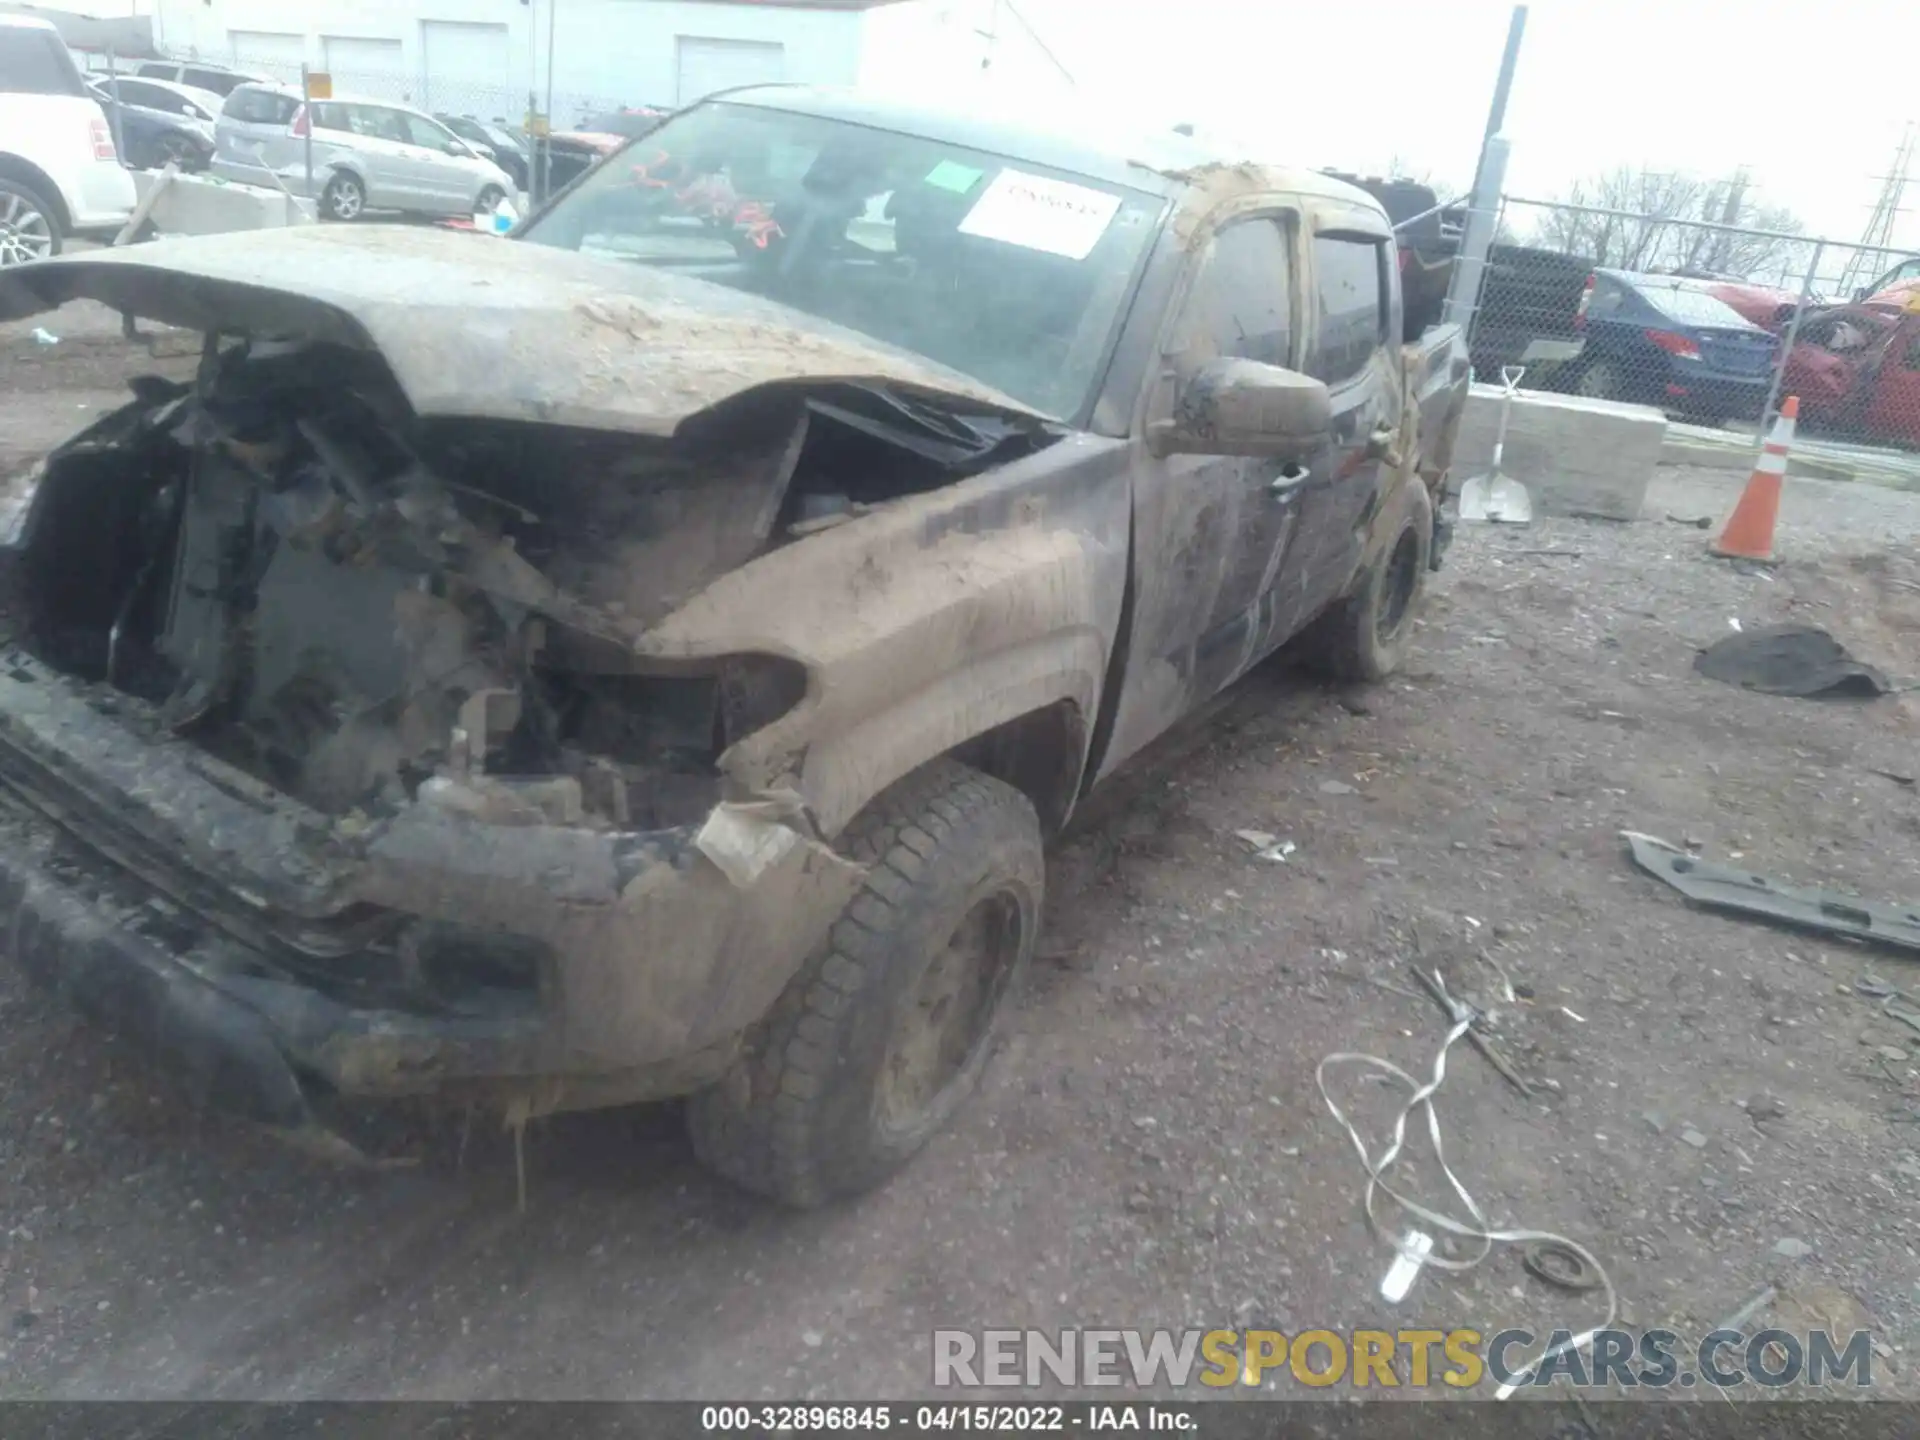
924	624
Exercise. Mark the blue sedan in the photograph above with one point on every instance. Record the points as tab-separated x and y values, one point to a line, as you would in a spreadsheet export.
1665	341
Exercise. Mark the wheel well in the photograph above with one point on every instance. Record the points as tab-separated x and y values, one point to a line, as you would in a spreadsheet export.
1039	754
12	167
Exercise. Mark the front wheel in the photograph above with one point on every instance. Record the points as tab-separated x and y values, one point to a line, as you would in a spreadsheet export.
1365	636
344	198
885	1029
29	229
490	200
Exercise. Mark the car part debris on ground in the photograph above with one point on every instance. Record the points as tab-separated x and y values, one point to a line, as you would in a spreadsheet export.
1799	660
1408	1247
1266	845
1494	496
1741	890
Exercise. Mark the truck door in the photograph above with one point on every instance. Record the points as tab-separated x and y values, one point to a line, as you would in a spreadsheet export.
1211	533
1354	351
1894	411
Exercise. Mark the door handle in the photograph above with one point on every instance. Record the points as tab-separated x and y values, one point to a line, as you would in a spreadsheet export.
1289	479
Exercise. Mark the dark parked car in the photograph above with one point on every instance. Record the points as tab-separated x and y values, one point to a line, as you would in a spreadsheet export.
1665	341
497	143
159	121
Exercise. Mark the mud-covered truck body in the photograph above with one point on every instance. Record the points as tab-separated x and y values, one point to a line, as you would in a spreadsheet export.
644	656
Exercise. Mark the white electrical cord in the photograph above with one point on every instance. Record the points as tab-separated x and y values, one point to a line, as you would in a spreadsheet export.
1422	1098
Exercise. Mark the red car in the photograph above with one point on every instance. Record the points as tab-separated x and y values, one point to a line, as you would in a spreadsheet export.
1856	369
1760	305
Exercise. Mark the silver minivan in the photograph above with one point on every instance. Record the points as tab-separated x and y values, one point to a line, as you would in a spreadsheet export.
367	154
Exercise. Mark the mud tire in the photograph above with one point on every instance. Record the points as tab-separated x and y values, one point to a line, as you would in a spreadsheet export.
1365	637
813	1109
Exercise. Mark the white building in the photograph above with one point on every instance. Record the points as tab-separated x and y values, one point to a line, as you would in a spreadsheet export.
485	57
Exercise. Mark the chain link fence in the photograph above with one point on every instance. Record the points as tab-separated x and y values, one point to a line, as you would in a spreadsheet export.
1712	324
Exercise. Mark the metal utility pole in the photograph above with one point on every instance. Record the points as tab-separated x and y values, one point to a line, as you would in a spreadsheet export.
1502	87
1865	263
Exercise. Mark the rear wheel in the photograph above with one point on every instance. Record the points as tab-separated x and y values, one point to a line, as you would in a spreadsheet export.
344	198
29	230
885	1029
1599	381
1365	636
179	150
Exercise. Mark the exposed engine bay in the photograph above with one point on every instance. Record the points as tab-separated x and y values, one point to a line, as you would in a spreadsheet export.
366	610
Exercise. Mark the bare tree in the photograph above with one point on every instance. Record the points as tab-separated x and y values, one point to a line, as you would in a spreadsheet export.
1656	224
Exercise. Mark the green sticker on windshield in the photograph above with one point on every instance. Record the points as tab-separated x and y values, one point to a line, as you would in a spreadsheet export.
949	175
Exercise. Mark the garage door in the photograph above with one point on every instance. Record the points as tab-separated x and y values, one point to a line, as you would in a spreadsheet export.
705	64
269	50
360	66
466	69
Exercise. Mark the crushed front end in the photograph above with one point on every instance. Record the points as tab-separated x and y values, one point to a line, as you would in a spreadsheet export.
327	763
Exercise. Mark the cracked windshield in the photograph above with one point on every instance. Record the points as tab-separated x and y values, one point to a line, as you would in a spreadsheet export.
1010	273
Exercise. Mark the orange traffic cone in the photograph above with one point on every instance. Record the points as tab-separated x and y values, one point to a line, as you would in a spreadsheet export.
1749	530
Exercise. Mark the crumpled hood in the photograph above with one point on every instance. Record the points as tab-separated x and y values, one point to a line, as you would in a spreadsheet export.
475	326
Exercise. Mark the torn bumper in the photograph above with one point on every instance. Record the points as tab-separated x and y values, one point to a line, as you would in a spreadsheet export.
230	934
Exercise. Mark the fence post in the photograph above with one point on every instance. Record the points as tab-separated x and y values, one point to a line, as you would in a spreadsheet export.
113	89
1483	215
306	104
1786	341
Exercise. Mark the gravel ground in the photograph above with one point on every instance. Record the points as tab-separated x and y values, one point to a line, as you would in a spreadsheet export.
1149	1148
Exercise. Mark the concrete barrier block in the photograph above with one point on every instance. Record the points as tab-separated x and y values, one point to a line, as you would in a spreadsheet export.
1575	456
203	205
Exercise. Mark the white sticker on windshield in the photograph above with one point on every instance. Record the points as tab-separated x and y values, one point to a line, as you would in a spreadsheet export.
1041	214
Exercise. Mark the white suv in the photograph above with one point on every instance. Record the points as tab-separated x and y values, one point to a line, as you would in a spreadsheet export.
59	175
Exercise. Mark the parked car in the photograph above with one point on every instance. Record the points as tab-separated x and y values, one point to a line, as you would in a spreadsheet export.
1767	306
571	153
493	142
715	622
59	173
1666	341
1898	289
221	80
366	154
1856	369
160	121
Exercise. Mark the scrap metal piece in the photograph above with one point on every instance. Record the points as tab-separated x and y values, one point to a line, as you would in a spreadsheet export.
1724	888
1559	1265
1458	1010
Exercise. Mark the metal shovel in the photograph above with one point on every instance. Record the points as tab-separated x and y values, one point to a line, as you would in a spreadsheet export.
1495	497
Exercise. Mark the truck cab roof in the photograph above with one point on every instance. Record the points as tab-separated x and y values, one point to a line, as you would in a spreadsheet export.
1198	174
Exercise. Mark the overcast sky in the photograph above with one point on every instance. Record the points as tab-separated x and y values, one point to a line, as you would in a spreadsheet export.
1811	95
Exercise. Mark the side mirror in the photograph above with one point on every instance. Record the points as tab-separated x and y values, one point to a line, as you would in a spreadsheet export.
1245	407
1860	295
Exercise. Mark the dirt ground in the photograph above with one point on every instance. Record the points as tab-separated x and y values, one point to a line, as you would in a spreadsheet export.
1149	1148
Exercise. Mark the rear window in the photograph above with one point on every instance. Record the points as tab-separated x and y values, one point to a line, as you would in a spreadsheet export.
36	62
1691	307
252	106
220	82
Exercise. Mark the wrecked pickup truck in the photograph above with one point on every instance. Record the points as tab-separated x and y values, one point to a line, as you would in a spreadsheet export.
643	656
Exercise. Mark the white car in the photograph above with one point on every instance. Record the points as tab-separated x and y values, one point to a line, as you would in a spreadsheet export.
364	155
59	174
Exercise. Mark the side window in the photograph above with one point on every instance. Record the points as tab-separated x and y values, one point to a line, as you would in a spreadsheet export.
422	131
158	69
330	115
1353	305
206	79
376	121
1242	301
